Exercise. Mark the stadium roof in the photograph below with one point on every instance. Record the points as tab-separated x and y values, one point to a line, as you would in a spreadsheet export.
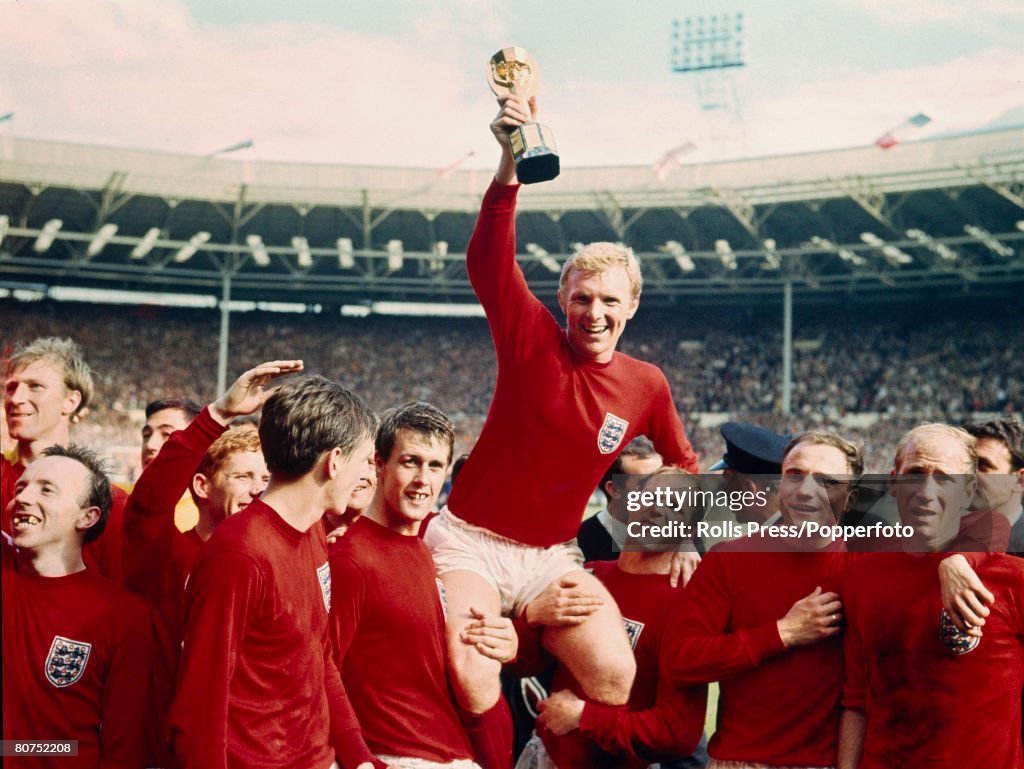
942	215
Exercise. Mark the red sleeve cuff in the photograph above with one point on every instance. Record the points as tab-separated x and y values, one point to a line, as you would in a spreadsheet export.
854	698
208	427
764	642
352	750
597	720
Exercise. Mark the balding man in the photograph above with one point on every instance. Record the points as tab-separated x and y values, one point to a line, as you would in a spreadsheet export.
920	692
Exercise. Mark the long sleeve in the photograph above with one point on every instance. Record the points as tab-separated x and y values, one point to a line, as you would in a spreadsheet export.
222	596
667	434
669	729
698	648
149	531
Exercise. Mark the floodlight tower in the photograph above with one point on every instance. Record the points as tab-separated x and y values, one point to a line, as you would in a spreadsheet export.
711	48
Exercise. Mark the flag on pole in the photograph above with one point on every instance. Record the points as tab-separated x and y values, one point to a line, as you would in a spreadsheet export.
447	171
672	160
894	136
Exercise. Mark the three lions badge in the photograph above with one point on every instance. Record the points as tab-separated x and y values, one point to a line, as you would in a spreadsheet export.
955	640
66	661
611	434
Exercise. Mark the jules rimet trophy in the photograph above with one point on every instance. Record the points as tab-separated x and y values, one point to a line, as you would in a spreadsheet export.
513	71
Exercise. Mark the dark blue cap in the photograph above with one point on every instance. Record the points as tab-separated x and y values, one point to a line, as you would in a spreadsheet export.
751	449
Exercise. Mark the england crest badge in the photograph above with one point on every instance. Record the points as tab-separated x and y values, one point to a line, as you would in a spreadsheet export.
323	574
955	640
633	631
612	432
66	661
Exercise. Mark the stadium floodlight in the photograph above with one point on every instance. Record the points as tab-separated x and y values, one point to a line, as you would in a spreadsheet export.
101	238
346	256
1020	225
440	252
945	252
575	247
301	246
989	240
145	245
5	225
725	253
188	250
395	255
258	249
843	253
676	250
46	235
772	261
891	253
543	257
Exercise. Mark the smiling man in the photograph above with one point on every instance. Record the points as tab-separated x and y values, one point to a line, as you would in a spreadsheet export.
76	647
566	402
389	608
48	387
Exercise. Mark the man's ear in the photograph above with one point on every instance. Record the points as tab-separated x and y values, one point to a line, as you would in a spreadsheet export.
561	301
851	500
892	482
609	488
87	518
633	307
71	402
201	485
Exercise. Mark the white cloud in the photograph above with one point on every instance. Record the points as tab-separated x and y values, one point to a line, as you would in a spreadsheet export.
145	73
993	18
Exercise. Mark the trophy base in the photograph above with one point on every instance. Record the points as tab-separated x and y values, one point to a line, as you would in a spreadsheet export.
533	148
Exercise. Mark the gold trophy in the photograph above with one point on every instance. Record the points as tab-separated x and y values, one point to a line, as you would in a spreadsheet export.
513	70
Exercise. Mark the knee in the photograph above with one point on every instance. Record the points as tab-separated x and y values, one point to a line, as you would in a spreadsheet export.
612	683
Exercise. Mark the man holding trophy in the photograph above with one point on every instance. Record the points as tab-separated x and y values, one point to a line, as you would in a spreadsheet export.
565	403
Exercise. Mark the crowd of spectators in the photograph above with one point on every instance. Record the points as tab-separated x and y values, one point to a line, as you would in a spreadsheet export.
904	370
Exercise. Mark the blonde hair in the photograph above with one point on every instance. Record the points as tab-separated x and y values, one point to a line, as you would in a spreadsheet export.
599	257
922	433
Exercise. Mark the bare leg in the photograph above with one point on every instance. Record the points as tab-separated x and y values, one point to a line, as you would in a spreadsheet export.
475	678
597	652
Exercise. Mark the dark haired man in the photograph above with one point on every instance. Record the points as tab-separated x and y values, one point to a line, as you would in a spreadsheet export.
76	647
258	687
602	536
1001	474
391	608
164	417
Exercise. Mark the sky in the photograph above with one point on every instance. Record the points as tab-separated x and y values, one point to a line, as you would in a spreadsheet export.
402	82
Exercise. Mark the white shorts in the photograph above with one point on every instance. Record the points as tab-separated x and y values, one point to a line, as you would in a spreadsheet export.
714	763
518	573
402	762
535	755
